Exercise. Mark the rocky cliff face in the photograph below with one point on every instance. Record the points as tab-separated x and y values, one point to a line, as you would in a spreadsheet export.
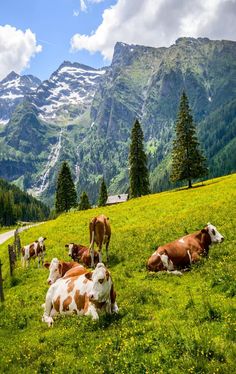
85	115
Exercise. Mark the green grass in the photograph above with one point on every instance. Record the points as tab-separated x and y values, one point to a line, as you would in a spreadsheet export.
166	323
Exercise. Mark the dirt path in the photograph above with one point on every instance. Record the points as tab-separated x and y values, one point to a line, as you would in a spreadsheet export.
7	235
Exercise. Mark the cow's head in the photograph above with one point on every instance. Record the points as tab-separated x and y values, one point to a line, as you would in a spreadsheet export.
215	235
54	270
102	284
71	249
155	262
41	242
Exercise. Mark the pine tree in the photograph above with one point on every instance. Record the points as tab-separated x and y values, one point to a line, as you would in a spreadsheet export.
84	202
139	178
187	160
66	196
102	194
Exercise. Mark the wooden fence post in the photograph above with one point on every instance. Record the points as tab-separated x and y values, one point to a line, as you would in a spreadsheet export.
12	258
1	284
17	243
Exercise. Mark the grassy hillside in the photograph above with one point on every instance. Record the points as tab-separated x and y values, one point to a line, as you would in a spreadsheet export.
166	323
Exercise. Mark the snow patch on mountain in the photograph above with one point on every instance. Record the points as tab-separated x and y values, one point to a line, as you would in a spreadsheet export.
68	92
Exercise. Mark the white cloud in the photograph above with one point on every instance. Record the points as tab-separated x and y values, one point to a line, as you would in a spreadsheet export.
159	23
16	49
83	6
76	13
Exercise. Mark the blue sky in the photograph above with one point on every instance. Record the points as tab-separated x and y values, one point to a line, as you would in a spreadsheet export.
87	30
54	23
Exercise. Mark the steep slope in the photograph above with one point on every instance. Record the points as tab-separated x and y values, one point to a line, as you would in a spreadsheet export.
166	323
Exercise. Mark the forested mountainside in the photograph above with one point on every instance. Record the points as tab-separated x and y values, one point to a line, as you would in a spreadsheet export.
16	205
84	115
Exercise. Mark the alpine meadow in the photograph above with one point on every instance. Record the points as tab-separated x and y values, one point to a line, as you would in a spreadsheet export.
118	187
165	324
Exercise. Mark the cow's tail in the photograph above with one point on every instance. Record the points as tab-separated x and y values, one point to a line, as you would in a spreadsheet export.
92	232
91	240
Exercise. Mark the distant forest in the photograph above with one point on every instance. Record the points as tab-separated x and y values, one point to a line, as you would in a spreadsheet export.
16	205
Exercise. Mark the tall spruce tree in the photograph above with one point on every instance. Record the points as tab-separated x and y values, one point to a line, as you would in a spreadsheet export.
66	196
187	160
139	178
84	202
102	194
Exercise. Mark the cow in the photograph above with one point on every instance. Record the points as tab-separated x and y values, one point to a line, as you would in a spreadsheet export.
183	252
100	233
33	250
81	254
89	294
57	269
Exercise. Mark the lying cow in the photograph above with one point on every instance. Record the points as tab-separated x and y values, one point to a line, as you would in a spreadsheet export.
100	233
58	269
33	250
88	294
182	252
81	254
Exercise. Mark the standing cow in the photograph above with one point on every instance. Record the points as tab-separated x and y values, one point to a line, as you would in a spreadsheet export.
33	250
100	233
88	294
182	252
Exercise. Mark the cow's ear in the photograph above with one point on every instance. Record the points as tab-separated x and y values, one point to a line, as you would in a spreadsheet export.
88	275
46	265
67	245
44	238
107	274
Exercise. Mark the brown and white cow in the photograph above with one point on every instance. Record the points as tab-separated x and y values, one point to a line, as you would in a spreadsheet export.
88	294
81	253
182	252
33	250
58	269
100	233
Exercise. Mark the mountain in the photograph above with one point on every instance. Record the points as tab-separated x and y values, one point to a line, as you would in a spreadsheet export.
84	115
68	93
13	88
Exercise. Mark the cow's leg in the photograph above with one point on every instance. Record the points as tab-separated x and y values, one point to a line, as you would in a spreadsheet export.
92	256
48	307
174	272
92	312
42	259
195	257
39	257
100	253
107	248
114	308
